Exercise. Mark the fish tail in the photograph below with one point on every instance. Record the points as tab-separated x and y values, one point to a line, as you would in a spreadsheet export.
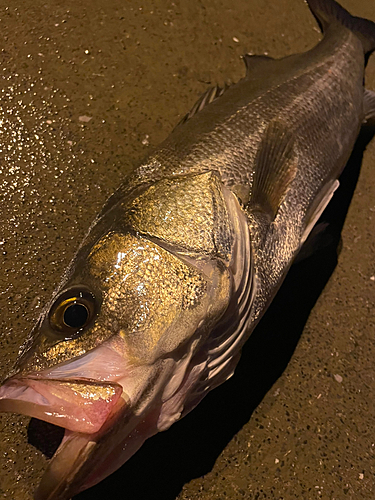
329	11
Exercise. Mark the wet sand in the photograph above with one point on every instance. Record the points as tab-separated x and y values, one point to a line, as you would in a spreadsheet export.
87	88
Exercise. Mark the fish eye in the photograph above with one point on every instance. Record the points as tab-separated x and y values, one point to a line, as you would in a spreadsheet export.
76	315
72	311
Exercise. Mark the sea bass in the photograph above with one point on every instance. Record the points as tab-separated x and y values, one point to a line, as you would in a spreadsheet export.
184	259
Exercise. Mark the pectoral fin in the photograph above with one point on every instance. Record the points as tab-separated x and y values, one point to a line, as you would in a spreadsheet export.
276	167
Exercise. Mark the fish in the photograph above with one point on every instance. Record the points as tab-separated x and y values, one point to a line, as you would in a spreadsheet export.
184	259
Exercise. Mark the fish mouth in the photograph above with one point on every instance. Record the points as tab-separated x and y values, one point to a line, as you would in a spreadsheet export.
106	408
76	460
83	460
98	403
84	409
91	400
66	464
77	405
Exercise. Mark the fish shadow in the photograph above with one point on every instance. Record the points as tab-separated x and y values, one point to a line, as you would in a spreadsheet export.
190	448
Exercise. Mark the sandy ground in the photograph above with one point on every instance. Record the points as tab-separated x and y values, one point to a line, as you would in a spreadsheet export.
86	89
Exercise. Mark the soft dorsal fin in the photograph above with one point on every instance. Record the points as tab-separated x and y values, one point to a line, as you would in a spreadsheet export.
210	95
275	168
253	62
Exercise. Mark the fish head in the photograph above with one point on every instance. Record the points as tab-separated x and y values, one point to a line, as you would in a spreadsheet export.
122	349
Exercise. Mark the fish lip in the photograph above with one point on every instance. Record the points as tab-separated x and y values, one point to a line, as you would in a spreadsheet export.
66	474
79	405
56	481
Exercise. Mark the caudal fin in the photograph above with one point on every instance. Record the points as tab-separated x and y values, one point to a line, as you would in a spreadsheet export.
329	11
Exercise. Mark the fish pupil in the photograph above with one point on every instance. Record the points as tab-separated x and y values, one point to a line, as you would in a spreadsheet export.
76	315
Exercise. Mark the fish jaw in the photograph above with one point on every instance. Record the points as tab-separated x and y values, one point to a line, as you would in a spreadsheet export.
66	463
77	405
78	454
101	433
99	400
83	460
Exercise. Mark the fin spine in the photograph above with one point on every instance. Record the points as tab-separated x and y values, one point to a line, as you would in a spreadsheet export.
209	96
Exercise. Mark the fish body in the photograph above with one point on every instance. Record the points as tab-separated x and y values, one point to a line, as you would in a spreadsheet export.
184	259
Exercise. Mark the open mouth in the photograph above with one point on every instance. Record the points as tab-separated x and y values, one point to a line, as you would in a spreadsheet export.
77	405
89	416
81	411
83	417
69	417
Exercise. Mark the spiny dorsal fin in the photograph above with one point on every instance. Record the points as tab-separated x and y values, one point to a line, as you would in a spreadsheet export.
275	168
253	62
210	95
